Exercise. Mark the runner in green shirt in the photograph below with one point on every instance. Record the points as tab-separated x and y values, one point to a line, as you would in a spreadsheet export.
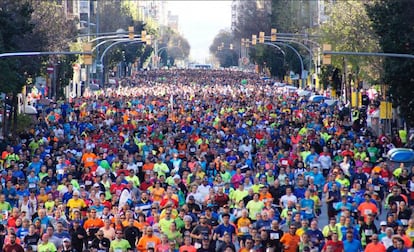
119	244
45	245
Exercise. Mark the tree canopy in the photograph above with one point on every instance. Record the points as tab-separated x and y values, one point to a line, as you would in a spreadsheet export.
224	49
348	28
393	22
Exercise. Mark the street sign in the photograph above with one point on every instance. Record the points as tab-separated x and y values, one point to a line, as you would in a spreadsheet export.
50	69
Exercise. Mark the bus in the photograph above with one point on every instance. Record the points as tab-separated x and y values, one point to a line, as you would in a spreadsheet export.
201	66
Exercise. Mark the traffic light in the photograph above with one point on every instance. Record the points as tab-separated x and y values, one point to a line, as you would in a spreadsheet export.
326	60
87	58
143	35
273	32
254	38
261	37
131	34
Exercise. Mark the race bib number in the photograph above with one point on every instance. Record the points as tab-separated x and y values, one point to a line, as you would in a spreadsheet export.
367	211
150	245
368	232
411	234
274	236
244	229
377	188
308	211
404	222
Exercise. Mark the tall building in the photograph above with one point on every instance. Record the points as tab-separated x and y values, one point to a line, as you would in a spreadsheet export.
172	21
155	10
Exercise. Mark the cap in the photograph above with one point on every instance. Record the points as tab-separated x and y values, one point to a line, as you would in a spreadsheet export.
191	197
176	176
383	223
66	240
96	185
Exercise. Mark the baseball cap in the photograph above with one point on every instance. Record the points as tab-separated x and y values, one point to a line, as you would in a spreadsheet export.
383	223
66	240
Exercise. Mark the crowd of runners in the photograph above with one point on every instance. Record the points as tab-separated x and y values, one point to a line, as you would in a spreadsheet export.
202	160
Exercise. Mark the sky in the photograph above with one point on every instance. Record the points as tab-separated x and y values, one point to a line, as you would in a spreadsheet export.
199	22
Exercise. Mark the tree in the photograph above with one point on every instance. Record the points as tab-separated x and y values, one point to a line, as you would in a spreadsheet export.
252	19
15	31
174	46
394	24
348	28
55	33
224	50
291	16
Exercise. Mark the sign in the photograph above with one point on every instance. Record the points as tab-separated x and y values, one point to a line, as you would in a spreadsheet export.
83	6
50	69
386	110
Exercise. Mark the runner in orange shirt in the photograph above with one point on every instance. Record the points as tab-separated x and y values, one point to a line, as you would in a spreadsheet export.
367	207
375	245
93	224
148	241
89	158
290	240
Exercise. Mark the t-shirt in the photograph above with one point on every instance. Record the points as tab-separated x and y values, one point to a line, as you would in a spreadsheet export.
291	242
5	206
48	247
13	248
76	204
148	242
254	208
187	248
120	245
